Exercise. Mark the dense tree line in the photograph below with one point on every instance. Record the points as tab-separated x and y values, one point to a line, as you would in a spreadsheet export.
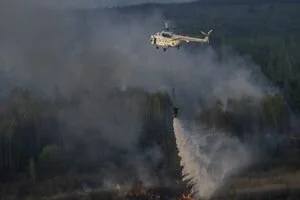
34	142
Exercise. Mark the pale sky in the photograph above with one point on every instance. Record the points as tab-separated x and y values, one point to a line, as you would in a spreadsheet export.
101	3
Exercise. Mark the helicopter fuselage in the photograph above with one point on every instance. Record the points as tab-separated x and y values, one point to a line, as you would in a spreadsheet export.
168	39
165	40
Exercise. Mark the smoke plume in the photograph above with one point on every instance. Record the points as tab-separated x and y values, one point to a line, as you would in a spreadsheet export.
94	53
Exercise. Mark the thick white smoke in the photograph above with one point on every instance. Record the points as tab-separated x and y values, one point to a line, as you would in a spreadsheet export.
208	158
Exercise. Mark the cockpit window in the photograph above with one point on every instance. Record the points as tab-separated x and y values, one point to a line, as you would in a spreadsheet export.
166	35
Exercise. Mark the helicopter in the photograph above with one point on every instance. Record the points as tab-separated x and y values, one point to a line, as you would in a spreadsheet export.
166	39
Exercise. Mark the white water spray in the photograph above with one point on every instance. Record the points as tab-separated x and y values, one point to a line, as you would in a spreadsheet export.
208	158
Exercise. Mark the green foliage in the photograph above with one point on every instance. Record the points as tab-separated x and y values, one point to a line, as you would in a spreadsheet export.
216	117
275	111
51	159
20	141
157	133
245	116
32	170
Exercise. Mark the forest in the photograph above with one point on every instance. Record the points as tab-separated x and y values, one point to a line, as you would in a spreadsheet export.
41	155
36	146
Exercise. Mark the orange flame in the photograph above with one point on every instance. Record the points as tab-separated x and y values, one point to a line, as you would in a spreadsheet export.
187	197
137	189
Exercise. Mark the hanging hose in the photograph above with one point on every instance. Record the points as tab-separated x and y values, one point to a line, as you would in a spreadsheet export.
173	95
175	108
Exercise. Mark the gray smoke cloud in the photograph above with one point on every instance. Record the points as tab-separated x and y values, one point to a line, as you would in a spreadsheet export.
95	52
46	49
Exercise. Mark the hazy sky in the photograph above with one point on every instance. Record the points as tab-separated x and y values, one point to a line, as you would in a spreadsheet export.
102	3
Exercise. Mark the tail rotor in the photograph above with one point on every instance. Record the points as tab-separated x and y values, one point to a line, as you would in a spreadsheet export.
207	35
